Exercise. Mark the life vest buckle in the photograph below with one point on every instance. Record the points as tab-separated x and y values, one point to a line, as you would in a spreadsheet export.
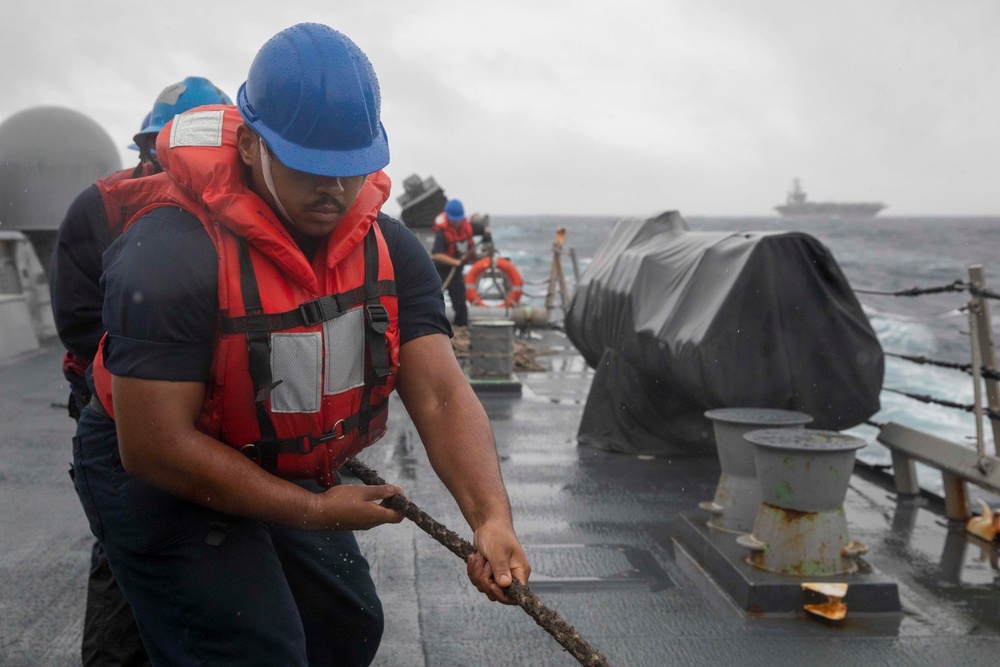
335	433
338	432
306	443
312	312
378	317
323	309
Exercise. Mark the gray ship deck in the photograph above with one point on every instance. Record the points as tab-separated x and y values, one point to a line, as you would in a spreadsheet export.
599	528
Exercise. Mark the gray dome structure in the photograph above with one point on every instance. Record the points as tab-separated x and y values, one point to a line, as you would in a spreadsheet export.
48	155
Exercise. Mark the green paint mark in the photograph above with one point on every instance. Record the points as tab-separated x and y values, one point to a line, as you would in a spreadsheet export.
789	461
783	490
834	472
812	567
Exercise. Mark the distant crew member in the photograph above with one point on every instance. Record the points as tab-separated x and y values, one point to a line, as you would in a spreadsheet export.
110	635
453	249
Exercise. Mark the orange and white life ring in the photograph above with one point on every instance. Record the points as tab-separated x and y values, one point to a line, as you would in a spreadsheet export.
513	283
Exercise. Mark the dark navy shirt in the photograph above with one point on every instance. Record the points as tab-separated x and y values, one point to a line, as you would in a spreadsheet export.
161	295
75	273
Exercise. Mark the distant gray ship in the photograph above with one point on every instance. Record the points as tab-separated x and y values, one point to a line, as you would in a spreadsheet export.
796	206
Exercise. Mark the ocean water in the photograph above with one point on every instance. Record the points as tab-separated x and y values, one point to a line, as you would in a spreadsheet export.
886	254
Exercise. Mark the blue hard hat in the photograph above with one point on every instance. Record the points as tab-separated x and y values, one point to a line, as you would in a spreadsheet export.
194	91
312	95
454	210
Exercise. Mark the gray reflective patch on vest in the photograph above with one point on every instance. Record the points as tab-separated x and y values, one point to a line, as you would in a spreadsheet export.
197	128
345	352
296	360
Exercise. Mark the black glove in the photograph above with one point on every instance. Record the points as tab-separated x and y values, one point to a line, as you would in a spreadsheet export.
487	237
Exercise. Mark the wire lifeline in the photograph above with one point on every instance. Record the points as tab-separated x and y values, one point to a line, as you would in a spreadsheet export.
547	618
956	286
983	292
924	398
987	373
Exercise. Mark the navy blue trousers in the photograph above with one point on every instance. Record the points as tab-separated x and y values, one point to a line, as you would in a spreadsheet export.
210	588
456	291
110	635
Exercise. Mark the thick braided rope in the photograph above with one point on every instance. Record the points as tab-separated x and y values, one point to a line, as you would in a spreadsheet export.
547	618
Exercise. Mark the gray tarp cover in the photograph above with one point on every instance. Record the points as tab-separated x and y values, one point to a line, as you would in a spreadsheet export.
678	322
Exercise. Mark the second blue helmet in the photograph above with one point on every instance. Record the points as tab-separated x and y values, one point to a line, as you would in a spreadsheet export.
194	91
454	210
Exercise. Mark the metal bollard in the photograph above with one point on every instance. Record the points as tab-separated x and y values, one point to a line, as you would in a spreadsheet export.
801	528
737	496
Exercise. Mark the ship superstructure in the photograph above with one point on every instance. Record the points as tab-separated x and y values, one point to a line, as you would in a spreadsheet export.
796	206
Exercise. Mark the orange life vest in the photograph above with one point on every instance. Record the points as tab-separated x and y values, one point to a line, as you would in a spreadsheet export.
458	239
305	356
116	223
73	365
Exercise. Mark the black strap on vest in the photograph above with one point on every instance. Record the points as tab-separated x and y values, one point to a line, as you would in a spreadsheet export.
319	310
377	323
257	325
269	448
259	349
376	316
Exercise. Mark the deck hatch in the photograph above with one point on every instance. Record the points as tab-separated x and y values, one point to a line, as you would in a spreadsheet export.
588	567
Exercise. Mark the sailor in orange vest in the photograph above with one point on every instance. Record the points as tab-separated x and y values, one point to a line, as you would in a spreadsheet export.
89	227
260	310
453	248
110	635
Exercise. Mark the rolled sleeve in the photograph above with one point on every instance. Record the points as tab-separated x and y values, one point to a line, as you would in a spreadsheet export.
152	360
418	285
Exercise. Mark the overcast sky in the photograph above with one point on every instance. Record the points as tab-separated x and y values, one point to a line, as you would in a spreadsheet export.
585	107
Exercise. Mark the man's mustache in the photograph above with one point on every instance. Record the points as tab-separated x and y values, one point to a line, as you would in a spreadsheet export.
325	202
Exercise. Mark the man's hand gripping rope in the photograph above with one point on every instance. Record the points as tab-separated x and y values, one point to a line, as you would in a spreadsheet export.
517	592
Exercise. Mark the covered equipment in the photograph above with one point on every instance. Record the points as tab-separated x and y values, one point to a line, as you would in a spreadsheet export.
679	322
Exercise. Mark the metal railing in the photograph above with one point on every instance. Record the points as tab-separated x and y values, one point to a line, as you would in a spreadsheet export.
958	464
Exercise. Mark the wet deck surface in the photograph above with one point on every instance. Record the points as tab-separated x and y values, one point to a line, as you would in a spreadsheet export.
598	527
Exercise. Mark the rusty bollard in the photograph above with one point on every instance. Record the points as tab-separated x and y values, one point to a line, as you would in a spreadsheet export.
737	496
801	528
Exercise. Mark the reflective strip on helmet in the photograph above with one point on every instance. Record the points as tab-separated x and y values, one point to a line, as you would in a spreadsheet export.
197	128
172	93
